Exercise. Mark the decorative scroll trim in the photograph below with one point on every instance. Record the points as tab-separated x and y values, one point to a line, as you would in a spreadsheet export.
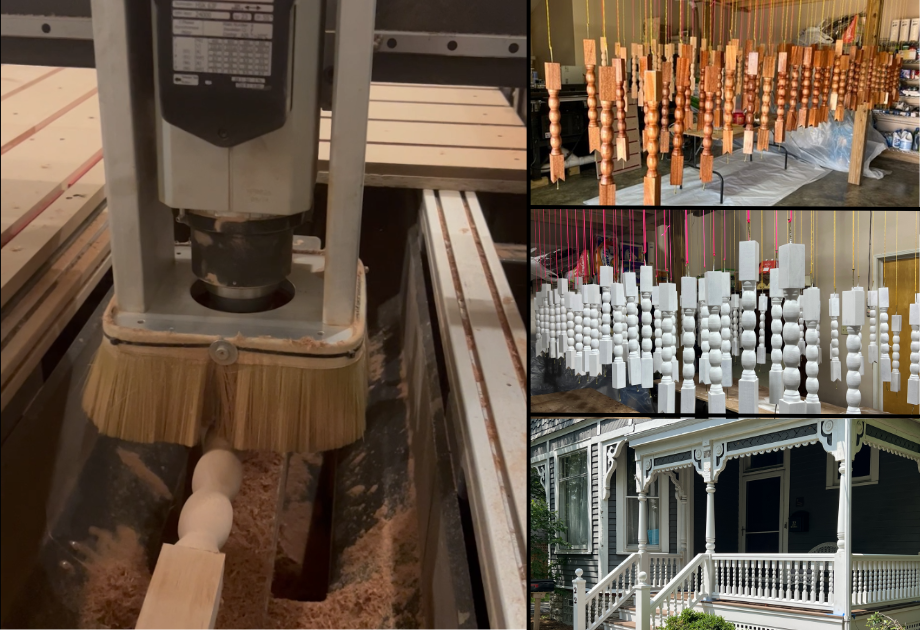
873	431
671	459
541	470
611	452
775	436
679	493
827	431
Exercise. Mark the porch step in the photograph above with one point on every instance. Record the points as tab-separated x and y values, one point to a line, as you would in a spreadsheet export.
622	625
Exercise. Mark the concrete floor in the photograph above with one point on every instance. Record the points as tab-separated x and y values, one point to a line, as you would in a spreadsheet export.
900	188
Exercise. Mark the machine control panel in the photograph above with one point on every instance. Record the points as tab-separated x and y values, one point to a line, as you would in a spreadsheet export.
223	67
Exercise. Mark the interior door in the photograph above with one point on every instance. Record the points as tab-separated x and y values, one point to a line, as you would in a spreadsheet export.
762	514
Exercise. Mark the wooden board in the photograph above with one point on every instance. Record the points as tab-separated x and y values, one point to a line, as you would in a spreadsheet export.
584	400
17	78
185	589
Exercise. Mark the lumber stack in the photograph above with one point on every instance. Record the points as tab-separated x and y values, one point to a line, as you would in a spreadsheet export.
55	242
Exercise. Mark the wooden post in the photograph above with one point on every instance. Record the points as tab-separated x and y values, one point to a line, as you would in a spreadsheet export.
843	560
859	144
779	127
731	53
578	601
750	84
873	11
677	154
594	137
763	133
619	69
652	181
536	610
643	603
606	187
553	85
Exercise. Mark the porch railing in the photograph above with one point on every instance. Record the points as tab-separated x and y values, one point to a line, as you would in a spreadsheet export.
683	591
591	609
802	580
662	568
880	579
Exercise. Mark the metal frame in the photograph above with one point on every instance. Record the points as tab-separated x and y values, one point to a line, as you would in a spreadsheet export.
46	27
450	44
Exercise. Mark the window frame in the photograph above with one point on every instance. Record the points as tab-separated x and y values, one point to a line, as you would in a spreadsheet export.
664	500
831	482
562	452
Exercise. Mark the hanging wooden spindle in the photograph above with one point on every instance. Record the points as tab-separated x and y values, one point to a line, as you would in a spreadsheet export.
750	85
779	127
865	67
664	145
652	181
842	94
604	59
895	80
677	154
816	92
829	61
553	85
729	104
688	90
763	133
881	86
739	72
634	84
793	96
594	136
835	77
707	87
806	85
693	58
852	78
606	187
621	54
718	62
619	68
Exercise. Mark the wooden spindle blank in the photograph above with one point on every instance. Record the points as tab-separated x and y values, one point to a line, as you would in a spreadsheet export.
708	86
619	70
806	85
731	52
677	154
835	77
841	97
652	181
664	145
763	133
750	85
816	93
553	85
793	96
594	136
779	127
604	59
606	187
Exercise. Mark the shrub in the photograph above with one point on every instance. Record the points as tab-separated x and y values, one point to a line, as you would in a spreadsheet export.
692	620
879	621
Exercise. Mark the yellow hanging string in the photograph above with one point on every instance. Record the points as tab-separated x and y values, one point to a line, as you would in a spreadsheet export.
588	21
549	38
799	30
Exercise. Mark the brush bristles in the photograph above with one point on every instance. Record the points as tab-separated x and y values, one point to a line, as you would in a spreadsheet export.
147	396
168	395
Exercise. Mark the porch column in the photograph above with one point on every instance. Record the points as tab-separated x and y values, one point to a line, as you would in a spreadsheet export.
681	496
709	573
843	559
643	531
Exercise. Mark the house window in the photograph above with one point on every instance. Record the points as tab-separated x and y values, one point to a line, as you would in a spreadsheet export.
865	468
573	499
632	509
773	459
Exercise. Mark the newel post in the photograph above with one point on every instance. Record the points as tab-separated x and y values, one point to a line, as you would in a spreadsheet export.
643	603
579	609
843	585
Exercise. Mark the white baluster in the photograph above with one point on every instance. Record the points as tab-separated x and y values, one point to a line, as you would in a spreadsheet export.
763	304
884	362
812	597
645	289
688	303
656	324
790	590
830	583
776	341
726	330
704	332
896	353
820	581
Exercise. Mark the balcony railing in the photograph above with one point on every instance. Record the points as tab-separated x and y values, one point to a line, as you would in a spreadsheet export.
803	580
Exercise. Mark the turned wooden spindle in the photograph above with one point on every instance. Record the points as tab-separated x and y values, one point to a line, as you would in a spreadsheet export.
881	87
852	78
553	85
621	54
779	127
829	60
693	59
652	181
635	74
606	187
818	63
677	154
835	77
793	97
619	69
718	62
750	85
763	133
604	59
707	87
842	94
865	65
739	74
688	90
806	85
664	145
895	80
731	52
594	136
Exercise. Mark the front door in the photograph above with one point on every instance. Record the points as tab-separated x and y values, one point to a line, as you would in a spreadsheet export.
762	514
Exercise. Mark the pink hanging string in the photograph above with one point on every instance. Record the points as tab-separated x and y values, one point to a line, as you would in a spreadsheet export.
686	243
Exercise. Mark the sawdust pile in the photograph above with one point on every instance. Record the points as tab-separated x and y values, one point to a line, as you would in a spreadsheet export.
116	579
134	462
250	548
380	578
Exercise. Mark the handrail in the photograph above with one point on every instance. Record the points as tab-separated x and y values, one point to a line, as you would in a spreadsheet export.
777	556
805	580
684	591
881	556
885	579
662	568
607	596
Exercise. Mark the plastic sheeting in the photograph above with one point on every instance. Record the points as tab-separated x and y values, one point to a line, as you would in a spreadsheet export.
829	145
762	182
